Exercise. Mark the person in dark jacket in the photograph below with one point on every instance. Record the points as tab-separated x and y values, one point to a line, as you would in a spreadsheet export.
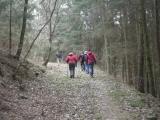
91	60
71	59
81	59
59	56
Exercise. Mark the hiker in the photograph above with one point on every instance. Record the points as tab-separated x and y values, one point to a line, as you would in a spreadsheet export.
91	60
86	62
59	57
71	59
81	59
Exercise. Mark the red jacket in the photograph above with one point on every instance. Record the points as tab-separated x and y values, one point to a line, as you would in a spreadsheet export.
91	58
76	57
71	59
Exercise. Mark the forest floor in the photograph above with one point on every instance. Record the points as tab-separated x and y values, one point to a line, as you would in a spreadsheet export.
54	96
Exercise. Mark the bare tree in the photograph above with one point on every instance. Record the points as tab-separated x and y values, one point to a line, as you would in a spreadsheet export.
36	37
51	34
20	45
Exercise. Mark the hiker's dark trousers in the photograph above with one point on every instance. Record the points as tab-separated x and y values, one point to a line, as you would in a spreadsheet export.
82	66
86	68
91	69
72	70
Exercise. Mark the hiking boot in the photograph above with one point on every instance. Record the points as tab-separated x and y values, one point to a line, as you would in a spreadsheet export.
92	76
72	76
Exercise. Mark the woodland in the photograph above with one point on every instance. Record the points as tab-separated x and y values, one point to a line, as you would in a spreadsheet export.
124	34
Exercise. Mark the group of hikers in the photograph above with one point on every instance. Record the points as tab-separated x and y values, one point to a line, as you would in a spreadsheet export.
87	60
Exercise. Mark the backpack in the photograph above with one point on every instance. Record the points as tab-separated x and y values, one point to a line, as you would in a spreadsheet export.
85	58
82	58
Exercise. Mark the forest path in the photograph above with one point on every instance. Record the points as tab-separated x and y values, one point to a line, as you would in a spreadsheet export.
85	98
54	96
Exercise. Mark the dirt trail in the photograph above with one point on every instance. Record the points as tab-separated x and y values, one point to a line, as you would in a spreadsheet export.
54	96
87	98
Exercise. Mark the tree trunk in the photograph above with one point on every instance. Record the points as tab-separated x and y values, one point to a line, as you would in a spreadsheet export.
125	35
106	40
123	69
147	47
157	38
10	29
157	27
140	83
48	57
50	44
20	45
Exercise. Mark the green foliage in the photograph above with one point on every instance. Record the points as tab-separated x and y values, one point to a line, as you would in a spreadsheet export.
98	116
128	98
118	95
136	103
3	5
17	14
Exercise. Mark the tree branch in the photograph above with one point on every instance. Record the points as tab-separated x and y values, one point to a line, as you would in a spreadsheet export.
20	64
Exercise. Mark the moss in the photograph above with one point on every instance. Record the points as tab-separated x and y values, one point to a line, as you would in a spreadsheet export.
122	95
136	103
118	95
